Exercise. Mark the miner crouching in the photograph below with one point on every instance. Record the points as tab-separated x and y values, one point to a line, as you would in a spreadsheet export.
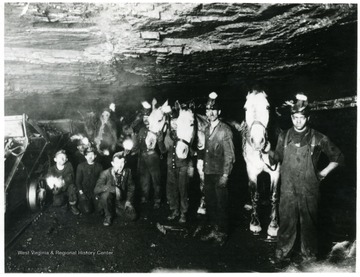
115	190
60	179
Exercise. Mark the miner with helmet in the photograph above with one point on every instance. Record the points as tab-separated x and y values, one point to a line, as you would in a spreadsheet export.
298	150
115	190
218	162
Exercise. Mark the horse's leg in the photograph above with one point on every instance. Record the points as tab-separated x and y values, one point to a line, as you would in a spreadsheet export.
255	222
274	223
200	165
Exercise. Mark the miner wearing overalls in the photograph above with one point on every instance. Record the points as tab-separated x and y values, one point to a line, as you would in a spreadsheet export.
298	149
218	163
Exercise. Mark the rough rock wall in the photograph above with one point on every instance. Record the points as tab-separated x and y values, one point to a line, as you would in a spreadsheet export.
124	51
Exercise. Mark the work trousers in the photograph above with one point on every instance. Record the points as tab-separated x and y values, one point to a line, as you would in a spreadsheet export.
217	202
149	171
298	202
69	194
110	205
177	189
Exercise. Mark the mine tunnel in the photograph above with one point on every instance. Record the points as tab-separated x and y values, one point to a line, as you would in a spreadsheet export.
66	62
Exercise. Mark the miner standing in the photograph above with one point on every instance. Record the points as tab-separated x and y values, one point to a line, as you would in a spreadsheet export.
218	162
298	149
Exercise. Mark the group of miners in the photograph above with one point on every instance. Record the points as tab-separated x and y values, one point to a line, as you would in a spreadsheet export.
112	191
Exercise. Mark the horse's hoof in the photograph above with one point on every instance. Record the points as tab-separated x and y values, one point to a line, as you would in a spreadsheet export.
201	210
270	239
272	231
256	229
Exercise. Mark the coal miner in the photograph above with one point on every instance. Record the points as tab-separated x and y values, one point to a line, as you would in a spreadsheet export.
298	149
115	190
179	172
218	162
148	162
60	179
87	173
105	136
79	157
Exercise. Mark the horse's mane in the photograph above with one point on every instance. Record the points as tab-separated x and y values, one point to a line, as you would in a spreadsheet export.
202	121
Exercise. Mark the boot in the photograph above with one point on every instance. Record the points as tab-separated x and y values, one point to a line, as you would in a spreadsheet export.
74	210
209	236
220	238
107	221
173	215
182	219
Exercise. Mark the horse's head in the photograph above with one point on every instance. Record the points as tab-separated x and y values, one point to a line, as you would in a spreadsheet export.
184	131
257	136
257	118
157	120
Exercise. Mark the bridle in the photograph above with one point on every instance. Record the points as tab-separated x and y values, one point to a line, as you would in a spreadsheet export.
262	151
163	129
174	137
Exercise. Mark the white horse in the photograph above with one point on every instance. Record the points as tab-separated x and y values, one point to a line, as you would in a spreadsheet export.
189	126
185	130
157	120
255	151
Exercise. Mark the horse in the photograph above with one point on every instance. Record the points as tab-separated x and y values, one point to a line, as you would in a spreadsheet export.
157	123
255	146
181	126
184	126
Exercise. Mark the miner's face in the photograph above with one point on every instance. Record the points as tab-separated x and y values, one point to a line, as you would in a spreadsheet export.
81	148
90	157
118	164
299	121
212	115
60	159
105	115
146	120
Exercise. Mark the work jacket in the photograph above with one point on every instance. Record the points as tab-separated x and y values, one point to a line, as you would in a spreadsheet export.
107	182
219	150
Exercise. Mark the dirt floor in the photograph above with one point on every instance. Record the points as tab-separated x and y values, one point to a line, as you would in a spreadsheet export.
57	241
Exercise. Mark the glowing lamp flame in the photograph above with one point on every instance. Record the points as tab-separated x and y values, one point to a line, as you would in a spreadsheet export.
54	182
128	144
85	141
146	105
213	95
112	107
301	97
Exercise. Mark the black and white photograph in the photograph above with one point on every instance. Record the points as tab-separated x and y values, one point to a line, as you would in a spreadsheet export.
179	137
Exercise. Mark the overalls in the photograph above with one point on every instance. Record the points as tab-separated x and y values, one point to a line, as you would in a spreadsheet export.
298	200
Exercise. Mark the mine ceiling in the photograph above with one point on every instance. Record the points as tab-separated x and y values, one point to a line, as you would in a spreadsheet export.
96	49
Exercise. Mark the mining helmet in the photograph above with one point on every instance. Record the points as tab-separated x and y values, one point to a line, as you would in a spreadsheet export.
146	108
119	155
301	105
107	110
212	102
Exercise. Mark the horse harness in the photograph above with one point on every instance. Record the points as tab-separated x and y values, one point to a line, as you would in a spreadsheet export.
173	135
262	151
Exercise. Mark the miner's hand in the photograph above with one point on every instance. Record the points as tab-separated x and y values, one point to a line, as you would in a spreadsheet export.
223	181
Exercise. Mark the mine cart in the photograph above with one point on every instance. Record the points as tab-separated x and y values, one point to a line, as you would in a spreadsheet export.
26	161
29	149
